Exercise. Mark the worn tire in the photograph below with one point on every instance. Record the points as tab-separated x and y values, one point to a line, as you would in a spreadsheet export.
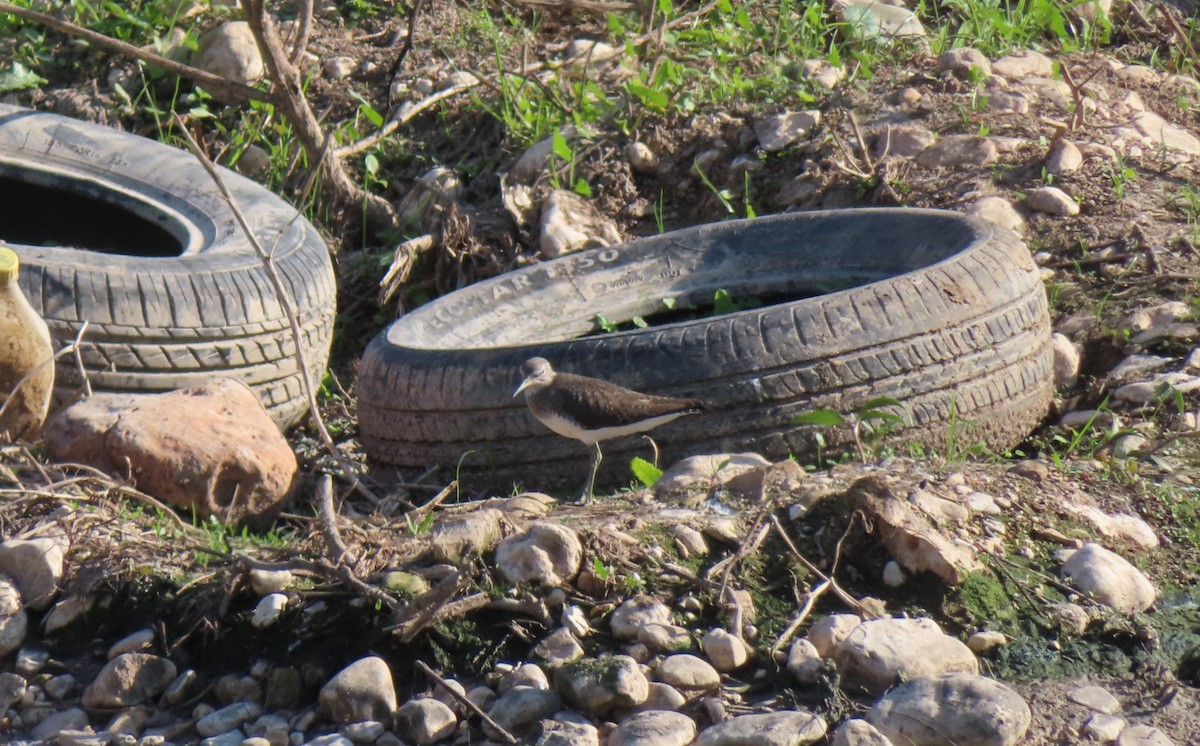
945	312
161	315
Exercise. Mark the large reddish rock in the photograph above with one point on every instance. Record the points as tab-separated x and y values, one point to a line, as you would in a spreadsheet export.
212	449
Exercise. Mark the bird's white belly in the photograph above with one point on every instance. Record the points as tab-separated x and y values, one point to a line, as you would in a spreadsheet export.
570	429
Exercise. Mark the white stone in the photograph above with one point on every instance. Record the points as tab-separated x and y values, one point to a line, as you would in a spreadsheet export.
654	728
1166	134
952	708
778	131
781	728
637	612
426	720
338	68
985	642
14	622
855	732
546	553
1109	579
570	223
827	633
804	662
893	574
726	652
1143	735
1066	361
999	211
1023	64
903	141
963	62
1095	698
521	707
1103	728
1119	526
229	50
36	566
875	20
135	642
641	158
879	653
685	671
268	610
227	718
1064	158
953	151
1052	201
270	581
362	690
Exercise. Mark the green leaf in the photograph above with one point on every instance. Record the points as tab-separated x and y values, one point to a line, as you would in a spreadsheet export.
665	7
669	303
18	78
882	401
560	147
371	164
582	188
604	323
722	303
652	99
822	417
639	322
646	472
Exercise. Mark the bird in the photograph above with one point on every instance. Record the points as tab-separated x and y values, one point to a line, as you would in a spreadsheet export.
591	410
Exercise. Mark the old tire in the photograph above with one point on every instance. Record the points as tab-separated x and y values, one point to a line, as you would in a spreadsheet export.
945	312
132	237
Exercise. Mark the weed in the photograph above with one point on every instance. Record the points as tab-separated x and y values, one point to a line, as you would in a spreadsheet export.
870	423
1120	175
646	472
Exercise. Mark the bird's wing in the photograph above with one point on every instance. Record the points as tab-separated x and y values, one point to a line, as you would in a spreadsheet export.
598	404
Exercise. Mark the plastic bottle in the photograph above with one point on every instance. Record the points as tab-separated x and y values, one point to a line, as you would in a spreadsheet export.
25	349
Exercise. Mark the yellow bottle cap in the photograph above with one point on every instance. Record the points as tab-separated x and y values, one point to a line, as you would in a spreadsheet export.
8	264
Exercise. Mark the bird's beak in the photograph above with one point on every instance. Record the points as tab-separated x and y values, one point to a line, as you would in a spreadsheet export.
522	387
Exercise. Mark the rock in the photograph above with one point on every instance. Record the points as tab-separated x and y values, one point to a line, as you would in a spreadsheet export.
426	720
999	211
685	671
182	688
1073	617
564	733
1165	134
283	688
953	151
781	130
270	607
725	651
559	647
1121	527
368	731
882	652
827	633
689	539
35	566
598	685
72	719
546	553
981	502
782	728
1064	158
642	159
903	141
965	62
664	638
1143	735
270	581
88	738
654	728
725	530
870	20
1095	698
532	162
30	661
362	690
574	619
985	642
227	718
570	223
663	697
127	680
338	68
211	449
1109	579
1066	361
704	473
1023	64
525	674
134	642
589	48
941	510
477	532
458	78
232	688
59	687
436	189
804	663
960	708
824	74
1103	728
66	612
229	50
855	732
637	612
13	620
1052	201
519	708
912	541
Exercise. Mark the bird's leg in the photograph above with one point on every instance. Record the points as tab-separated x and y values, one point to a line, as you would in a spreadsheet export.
655	447
586	497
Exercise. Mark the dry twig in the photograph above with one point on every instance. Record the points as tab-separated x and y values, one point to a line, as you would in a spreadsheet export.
462	699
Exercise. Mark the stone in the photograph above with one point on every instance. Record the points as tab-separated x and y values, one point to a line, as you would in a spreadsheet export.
135	642
998	211
1165	134
127	680
782	728
270	581
525	674
598	685
665	638
1143	735
642	159
953	151
283	688
1052	201
685	671
778	131
559	647
14	622
689	540
881	652
941	510
574	619
227	718
986	641
338	68
637	612
1095	698
66	612
426	720
964	62
1064	158
856	732
654	728
663	697
72	719
981	502
1120	527
827	633
824	74
362	690
960	708
1066	361
210	449
35	566
589	48
726	652
1073	617
1023	64
873	20
59	687
903	141
1109	579
182	688
565	733
519	708
804	663
475	533
88	738
435	190
546	553
570	223
368	731
1103	728
705	472
232	688
229	50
